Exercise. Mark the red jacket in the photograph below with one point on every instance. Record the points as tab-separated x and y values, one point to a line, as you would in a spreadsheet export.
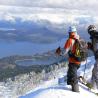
69	45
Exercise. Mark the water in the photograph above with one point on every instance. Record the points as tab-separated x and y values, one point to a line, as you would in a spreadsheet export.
21	48
44	60
31	48
26	48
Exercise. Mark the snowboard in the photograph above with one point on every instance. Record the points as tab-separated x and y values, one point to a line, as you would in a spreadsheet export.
87	84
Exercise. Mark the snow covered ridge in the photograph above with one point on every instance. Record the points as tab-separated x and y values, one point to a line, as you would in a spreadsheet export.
60	91
31	84
54	90
26	82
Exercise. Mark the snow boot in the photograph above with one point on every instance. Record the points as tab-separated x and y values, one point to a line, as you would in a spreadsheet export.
75	87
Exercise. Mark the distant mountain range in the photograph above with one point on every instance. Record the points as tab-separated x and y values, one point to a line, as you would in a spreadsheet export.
39	30
29	31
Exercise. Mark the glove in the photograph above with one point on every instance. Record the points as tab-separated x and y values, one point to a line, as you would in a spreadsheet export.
78	66
58	51
90	46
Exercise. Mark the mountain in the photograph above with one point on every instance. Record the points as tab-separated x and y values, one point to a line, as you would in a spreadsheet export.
30	31
42	29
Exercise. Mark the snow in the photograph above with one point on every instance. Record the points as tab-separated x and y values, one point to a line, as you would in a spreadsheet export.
51	89
63	92
59	91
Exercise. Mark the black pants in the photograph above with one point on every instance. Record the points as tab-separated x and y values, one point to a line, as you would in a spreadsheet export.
96	55
72	74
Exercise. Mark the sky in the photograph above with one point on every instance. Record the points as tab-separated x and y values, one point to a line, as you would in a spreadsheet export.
22	8
69	4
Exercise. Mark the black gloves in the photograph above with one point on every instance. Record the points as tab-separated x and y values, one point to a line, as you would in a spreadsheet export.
58	51
90	46
78	66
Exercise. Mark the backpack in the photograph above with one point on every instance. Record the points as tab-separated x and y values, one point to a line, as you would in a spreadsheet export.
80	53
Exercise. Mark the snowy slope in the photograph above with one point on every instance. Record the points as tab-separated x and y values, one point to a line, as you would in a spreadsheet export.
51	89
59	91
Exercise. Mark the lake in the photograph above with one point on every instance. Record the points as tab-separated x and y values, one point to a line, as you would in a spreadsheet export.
31	48
26	48
40	61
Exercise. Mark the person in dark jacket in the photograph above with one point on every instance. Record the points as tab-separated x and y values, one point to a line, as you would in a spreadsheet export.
93	45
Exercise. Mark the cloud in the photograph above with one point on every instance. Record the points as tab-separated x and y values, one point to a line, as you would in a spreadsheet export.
71	4
57	16
56	11
89	5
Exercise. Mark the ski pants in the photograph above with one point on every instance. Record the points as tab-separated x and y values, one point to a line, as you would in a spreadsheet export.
72	74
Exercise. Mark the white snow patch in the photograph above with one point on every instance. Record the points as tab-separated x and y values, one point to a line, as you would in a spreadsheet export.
51	89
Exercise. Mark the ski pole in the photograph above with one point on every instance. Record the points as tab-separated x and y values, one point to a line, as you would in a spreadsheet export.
85	68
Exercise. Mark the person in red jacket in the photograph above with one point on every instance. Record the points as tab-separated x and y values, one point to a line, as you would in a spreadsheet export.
74	64
76	48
